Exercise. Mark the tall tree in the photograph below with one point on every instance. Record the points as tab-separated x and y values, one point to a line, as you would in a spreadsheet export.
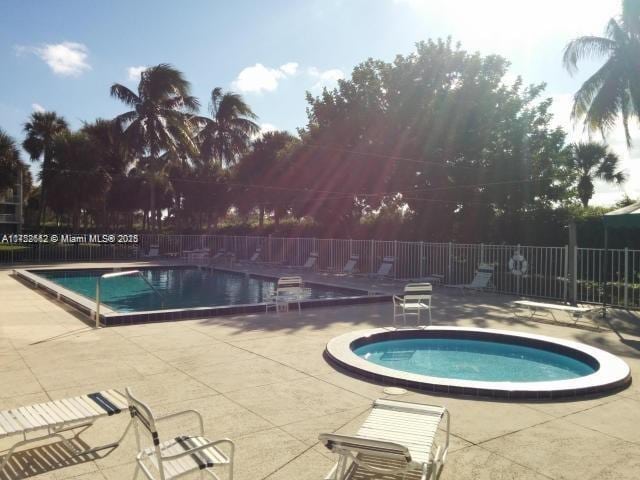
227	134
614	90
10	163
160	120
260	175
41	130
590	161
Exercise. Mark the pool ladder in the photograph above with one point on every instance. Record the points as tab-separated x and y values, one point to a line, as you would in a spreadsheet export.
121	274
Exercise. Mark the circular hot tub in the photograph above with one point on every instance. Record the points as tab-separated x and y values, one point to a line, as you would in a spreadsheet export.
478	361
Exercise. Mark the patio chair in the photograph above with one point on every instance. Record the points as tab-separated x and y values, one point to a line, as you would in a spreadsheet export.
219	254
288	290
350	266
180	455
385	268
481	280
416	298
256	255
396	439
154	252
51	419
311	261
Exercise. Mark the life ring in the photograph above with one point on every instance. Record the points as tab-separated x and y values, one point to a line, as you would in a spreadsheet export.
518	264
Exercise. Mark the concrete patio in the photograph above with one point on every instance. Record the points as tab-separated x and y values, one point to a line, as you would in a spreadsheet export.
262	381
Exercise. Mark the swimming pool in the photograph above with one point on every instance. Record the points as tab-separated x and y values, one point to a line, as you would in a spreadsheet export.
169	288
176	292
482	362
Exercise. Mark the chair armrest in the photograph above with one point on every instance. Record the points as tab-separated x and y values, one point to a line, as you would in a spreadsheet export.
199	449
398	299
194	413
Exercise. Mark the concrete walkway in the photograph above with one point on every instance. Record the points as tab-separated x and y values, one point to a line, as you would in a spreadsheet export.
261	380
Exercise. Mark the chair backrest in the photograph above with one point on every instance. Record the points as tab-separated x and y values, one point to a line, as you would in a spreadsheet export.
483	276
418	291
385	266
345	445
351	264
313	256
144	423
293	281
256	254
220	253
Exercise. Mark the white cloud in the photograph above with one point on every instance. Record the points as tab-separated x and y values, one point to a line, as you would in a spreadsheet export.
65	59
258	78
325	78
37	107
268	127
290	68
133	73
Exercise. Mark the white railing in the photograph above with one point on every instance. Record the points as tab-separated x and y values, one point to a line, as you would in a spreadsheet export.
547	274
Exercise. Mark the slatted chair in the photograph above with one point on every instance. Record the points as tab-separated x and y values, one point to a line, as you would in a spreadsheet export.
398	438
482	280
385	268
311	261
416	298
288	290
350	266
48	420
178	456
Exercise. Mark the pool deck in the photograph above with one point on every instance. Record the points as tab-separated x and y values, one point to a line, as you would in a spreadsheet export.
262	381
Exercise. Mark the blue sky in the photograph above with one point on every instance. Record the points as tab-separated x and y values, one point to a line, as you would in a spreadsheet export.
64	55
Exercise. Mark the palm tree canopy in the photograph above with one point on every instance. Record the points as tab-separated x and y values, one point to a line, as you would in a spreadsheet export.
161	111
227	134
613	90
10	163
41	130
590	161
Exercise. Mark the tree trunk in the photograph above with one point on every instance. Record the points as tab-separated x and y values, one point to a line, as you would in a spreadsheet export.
261	218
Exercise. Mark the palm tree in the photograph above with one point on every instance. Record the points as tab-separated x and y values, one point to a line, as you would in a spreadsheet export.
590	161
10	164
228	133
41	130
614	90
160	119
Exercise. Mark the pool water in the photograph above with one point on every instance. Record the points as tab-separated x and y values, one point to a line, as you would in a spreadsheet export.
480	360
175	288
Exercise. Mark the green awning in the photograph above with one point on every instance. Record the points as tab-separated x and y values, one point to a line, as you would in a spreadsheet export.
626	217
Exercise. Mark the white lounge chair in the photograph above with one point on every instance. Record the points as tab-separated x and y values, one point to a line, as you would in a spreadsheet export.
154	252
48	420
350	266
416	298
481	280
311	261
180	455
256	255
385	268
219	254
396	438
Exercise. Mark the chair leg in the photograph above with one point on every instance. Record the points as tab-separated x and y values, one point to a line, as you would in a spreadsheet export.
136	471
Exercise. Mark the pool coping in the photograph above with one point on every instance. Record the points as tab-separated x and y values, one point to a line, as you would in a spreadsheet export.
110	317
612	374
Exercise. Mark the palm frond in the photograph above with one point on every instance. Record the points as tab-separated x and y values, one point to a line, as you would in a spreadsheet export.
124	94
584	48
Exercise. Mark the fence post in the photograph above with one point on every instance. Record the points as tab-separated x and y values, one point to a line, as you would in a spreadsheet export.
565	274
371	256
482	253
450	250
422	258
395	259
626	276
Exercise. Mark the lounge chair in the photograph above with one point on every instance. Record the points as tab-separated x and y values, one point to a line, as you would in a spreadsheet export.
180	455
350	266
481	280
53	418
219	254
385	268
311	261
256	255
196	254
416	298
154	252
396	438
